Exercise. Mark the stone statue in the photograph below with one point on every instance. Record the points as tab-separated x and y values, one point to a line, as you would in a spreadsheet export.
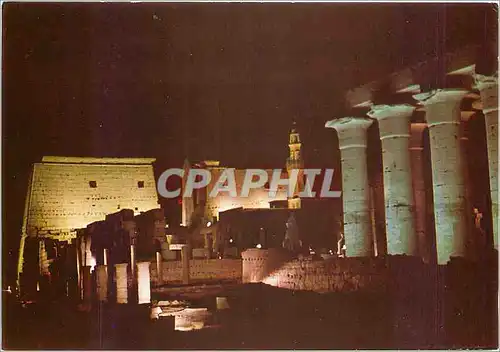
478	217
341	246
292	240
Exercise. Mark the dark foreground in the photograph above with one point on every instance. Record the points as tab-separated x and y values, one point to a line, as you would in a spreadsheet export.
260	317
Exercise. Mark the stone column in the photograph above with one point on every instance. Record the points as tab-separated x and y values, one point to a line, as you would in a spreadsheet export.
102	282
185	264
471	244
121	283
132	260
373	222
394	127
419	189
352	133
87	287
159	269
442	109
78	268
143	283
488	88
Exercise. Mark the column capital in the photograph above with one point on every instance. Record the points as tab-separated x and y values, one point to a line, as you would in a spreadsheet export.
351	131
393	120
440	96
345	123
488	88
445	105
380	112
482	81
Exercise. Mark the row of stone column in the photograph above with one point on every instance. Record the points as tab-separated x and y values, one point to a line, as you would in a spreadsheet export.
142	277
403	174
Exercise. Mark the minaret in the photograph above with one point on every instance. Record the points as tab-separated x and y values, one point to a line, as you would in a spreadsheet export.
294	161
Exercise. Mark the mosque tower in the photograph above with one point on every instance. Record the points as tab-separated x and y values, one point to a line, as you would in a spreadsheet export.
294	161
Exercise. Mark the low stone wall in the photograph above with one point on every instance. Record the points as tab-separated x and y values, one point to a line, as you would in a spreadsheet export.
259	263
199	270
331	275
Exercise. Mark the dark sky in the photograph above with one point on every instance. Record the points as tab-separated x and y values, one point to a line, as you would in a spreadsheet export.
205	80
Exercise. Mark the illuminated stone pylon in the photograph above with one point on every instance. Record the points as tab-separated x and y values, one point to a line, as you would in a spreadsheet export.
394	127
358	233
443	117
488	88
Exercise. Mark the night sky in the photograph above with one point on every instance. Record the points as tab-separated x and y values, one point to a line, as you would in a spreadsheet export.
222	81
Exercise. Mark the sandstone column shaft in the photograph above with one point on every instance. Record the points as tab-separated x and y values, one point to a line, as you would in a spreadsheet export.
394	127
121	283
488	87
358	233
443	118
419	191
143	283
471	241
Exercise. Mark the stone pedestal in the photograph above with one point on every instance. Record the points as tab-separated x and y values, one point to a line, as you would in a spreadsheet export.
358	231
488	87
443	118
121	280
102	282
143	283
394	127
